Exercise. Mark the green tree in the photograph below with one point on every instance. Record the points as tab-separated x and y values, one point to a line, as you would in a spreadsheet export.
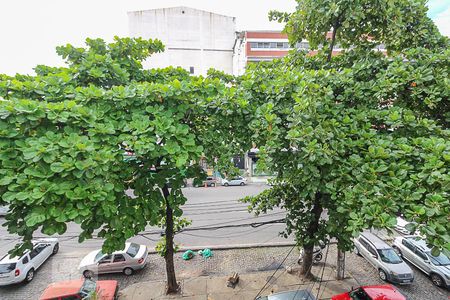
64	133
357	138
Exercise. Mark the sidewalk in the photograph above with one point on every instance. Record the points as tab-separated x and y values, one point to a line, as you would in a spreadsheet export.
250	284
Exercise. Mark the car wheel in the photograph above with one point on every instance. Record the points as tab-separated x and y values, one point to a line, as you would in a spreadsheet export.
55	249
357	251
437	280
88	274
128	271
318	257
225	184
242	183
382	275
213	184
30	276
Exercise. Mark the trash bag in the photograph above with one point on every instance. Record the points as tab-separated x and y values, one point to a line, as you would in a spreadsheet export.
206	253
188	255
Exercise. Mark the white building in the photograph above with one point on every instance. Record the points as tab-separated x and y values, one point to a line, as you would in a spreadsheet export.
195	40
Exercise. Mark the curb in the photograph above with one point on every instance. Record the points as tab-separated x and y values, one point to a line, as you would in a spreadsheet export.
231	247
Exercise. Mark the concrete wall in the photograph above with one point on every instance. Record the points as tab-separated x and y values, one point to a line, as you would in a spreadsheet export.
193	38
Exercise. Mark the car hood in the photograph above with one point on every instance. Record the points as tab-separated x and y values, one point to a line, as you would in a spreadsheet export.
107	289
401	268
443	269
88	259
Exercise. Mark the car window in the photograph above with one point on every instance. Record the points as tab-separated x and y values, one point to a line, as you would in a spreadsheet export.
105	260
359	294
25	260
422	255
34	252
363	242
408	245
119	258
372	250
441	260
133	249
6	268
389	256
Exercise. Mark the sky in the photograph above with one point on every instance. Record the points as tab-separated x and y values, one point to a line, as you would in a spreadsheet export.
31	29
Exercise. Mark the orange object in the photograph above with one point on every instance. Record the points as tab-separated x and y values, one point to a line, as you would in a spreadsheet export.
107	289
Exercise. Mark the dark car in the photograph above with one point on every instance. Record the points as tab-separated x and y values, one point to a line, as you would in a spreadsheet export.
209	181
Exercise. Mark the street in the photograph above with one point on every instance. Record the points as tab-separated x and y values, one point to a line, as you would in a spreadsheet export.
206	207
212	208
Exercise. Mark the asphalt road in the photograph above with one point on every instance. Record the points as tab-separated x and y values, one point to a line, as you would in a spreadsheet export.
206	207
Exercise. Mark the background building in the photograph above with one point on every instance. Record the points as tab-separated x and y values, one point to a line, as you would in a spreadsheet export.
195	40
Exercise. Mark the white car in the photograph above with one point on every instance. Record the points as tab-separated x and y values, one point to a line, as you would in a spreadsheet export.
401	227
234	181
21	269
132	258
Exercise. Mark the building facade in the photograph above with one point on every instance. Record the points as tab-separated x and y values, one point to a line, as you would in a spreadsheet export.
195	40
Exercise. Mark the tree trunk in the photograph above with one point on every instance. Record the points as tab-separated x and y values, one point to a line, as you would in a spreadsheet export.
313	227
172	285
340	265
307	262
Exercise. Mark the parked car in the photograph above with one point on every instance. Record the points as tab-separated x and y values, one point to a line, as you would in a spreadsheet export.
372	292
290	295
401	227
234	181
209	181
22	268
384	258
132	258
81	289
415	250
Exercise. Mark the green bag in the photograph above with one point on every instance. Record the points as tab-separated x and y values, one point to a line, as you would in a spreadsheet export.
188	255
206	253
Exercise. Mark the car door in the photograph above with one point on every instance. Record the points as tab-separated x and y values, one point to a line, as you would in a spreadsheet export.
363	248
36	255
408	250
372	255
104	264
119	263
422	261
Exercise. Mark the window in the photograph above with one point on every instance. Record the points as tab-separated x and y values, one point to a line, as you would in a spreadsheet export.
25	260
285	45
408	245
303	45
280	45
105	260
422	255
363	242
6	268
34	253
260	45
253	45
191	70
359	294
133	249
273	45
389	256
118	258
372	250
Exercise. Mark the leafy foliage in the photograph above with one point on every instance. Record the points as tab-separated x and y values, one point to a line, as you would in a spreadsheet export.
64	133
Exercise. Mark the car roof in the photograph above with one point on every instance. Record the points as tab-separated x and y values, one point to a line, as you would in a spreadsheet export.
418	242
8	259
62	288
292	295
383	292
375	240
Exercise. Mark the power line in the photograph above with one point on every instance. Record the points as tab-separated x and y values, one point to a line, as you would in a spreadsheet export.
279	266
323	269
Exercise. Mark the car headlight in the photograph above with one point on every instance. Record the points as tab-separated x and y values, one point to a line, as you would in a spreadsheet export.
393	273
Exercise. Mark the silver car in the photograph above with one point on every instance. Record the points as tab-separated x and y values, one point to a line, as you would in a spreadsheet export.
289	295
415	250
234	181
384	258
132	258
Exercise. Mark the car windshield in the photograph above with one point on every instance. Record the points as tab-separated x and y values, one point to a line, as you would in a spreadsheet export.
441	260
133	249
99	256
6	268
359	294
389	256
87	288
